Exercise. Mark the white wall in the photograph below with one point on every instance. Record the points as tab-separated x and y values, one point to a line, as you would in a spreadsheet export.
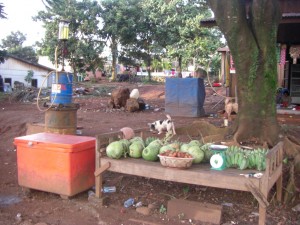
18	70
45	61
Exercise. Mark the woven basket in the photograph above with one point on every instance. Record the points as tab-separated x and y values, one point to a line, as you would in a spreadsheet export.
175	162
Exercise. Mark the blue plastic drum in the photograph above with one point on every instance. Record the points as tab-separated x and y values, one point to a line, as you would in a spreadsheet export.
62	88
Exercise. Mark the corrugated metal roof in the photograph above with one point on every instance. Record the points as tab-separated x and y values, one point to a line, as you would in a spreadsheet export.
31	63
223	49
289	15
284	16
208	20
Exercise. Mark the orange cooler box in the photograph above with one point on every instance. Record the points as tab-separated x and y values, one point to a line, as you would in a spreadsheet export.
56	163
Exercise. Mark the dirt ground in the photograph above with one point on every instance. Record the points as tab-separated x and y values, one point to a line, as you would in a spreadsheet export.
41	208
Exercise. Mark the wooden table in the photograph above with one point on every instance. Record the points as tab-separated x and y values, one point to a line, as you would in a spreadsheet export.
200	174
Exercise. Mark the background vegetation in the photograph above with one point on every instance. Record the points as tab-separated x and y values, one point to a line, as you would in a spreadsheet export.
156	34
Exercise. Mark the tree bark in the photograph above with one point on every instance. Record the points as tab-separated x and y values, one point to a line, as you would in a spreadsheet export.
75	77
179	66
149	60
114	52
250	28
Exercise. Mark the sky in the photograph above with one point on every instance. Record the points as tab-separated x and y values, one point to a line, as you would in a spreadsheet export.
19	15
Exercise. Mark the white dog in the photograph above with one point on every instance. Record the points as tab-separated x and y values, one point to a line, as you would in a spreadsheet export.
161	125
231	106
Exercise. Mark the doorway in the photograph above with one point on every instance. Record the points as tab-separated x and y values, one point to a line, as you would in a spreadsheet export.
34	83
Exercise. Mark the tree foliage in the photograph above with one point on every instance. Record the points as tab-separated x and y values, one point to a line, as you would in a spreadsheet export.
13	44
171	29
144	46
3	53
119	19
84	45
136	31
13	40
2	13
180	33
29	76
184	18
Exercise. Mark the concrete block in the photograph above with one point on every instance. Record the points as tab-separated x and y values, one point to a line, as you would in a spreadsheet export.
144	210
34	128
98	201
204	212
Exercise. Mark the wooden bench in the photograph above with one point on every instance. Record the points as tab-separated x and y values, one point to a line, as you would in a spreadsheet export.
199	174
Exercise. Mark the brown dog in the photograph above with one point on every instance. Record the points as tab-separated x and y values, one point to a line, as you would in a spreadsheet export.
230	106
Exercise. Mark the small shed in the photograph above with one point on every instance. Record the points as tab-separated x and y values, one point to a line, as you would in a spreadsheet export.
228	75
15	69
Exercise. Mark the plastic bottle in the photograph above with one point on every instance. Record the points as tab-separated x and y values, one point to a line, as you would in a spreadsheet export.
91	196
129	202
91	193
19	217
109	189
139	204
225	122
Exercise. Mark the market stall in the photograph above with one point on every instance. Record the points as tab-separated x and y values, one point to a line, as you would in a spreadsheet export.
200	174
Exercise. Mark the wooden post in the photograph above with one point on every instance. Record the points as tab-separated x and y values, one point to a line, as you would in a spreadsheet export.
279	189
279	181
262	215
101	143
264	191
98	179
101	169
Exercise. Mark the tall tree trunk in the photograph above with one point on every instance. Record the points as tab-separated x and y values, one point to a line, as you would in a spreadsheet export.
73	65
250	28
180	66
114	52
148	61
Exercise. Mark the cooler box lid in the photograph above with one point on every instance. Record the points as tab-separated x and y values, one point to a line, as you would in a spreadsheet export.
57	142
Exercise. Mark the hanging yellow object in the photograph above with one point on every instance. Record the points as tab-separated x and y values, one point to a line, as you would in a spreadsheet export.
63	32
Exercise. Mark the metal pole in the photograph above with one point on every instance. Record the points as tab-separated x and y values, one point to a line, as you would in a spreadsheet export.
63	57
